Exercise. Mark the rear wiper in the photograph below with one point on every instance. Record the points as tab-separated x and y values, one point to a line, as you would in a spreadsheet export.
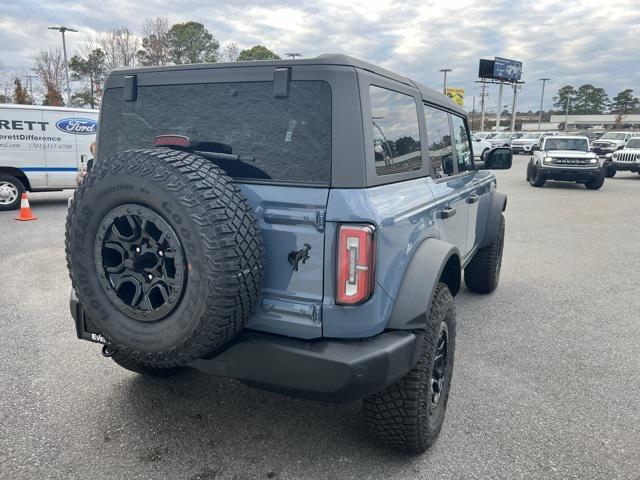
224	156
210	150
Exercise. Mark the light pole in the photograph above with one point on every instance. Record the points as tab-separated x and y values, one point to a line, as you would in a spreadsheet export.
544	81
482	97
293	55
444	84
63	29
473	113
499	112
513	108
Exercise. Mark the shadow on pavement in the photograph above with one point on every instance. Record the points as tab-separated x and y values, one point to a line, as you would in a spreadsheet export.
227	426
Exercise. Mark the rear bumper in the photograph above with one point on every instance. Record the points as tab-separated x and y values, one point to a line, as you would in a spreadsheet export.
329	370
570	174
521	148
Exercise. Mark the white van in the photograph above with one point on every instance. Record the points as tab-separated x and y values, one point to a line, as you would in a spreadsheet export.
42	149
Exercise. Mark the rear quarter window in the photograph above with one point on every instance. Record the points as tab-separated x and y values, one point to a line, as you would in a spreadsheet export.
396	135
290	137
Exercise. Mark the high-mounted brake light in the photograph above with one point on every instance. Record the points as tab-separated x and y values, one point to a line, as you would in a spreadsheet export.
172	141
356	262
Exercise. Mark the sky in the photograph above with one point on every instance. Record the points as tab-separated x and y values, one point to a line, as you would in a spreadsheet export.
572	42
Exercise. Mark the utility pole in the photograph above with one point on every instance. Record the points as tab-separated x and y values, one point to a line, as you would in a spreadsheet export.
482	96
499	112
292	55
544	81
513	108
444	85
566	114
31	87
473	113
63	29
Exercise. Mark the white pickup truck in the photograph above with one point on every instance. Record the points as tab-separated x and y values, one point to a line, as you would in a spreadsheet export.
42	149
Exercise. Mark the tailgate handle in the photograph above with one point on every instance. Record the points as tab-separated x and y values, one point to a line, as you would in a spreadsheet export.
448	212
293	217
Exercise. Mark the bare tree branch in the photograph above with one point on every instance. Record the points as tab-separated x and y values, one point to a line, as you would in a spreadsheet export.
49	66
230	52
156	50
120	47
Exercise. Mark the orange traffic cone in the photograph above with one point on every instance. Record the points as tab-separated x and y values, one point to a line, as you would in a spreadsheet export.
25	209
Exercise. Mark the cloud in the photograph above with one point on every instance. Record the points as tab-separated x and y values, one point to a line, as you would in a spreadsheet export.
571	42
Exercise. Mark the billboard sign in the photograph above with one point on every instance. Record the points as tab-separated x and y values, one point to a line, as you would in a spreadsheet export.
456	94
505	69
485	69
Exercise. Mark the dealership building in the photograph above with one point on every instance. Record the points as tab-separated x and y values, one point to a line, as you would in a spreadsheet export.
583	122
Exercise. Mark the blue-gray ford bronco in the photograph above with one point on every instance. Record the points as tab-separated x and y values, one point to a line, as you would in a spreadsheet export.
299	226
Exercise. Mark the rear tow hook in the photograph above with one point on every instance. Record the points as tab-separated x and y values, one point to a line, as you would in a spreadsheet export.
108	351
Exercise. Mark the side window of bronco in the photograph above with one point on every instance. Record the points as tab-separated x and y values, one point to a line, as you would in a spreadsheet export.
440	144
461	142
396	135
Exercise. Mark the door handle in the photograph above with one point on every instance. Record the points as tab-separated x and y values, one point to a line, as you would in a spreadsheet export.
447	212
473	198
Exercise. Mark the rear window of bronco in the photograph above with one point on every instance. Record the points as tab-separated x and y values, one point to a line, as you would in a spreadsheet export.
288	137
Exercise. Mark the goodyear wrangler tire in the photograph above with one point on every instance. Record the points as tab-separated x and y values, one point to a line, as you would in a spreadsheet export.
165	255
408	415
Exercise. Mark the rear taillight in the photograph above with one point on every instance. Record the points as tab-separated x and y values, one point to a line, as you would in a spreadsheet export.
356	262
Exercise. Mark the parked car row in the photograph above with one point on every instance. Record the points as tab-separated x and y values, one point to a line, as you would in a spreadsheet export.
603	144
572	158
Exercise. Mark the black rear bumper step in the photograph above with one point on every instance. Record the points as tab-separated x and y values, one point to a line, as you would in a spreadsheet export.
326	369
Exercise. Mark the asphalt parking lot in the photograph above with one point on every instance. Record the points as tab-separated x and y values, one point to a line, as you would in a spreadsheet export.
545	385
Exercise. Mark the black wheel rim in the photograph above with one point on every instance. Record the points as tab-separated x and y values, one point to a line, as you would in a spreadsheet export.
140	262
439	369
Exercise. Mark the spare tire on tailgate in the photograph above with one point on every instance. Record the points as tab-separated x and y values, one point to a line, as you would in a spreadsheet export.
165	255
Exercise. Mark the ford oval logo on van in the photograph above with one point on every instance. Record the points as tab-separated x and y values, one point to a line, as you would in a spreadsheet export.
78	126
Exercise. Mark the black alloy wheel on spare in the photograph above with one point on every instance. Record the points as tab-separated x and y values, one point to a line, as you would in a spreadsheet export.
165	255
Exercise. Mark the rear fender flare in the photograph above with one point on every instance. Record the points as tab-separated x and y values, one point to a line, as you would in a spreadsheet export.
425	270
498	205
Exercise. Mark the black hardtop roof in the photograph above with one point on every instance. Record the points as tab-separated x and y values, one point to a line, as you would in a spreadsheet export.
428	94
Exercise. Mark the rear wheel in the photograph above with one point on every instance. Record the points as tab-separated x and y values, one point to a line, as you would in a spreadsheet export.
484	154
11	190
409	414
